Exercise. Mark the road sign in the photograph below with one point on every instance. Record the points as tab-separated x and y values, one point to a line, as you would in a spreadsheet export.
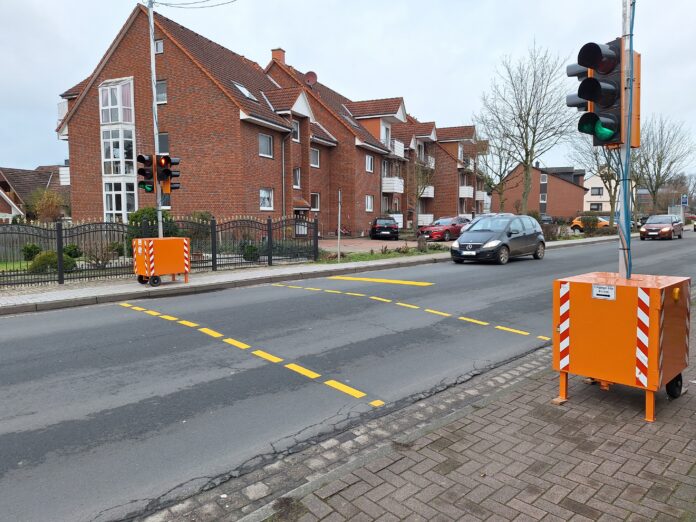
685	200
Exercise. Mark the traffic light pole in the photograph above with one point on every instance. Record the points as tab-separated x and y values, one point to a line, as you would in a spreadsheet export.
155	127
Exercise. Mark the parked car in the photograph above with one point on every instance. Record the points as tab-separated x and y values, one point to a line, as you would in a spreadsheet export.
545	219
577	224
444	228
663	226
498	238
384	227
470	223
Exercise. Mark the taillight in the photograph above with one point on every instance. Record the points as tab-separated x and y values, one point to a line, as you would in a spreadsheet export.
394	226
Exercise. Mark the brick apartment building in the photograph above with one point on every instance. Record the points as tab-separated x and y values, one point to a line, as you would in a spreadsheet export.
253	141
557	191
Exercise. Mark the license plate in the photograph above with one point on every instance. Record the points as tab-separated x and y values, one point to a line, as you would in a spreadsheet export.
652	233
426	236
384	232
467	253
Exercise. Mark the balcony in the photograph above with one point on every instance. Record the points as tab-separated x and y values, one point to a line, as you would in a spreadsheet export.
393	185
480	195
425	219
466	191
428	192
427	161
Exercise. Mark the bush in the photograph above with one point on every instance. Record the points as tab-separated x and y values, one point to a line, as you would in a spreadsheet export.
48	262
589	224
117	248
201	215
30	251
534	214
605	231
72	250
251	253
143	223
550	232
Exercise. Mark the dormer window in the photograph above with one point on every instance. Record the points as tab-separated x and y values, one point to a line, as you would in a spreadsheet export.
246	92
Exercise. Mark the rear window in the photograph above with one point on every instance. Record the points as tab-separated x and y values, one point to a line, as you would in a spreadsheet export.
385	222
659	219
443	221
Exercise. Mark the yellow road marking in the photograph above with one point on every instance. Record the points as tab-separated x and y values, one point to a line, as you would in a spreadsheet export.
443	314
302	370
333	291
152	312
168	317
294	286
512	330
138	308
543	338
355	294
377	403
235	342
313	289
475	321
382	299
345	389
127	305
211	333
386	281
277	284
188	323
267	356
407	305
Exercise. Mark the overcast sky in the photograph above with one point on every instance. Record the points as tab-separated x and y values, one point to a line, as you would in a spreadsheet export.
440	55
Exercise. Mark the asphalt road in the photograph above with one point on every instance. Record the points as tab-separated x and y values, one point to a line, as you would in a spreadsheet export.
108	410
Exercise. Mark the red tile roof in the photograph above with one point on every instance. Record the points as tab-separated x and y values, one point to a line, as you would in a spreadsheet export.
424	129
283	99
24	182
471	148
319	132
75	90
374	107
403	132
465	132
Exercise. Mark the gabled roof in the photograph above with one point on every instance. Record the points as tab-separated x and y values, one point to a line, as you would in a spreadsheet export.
319	133
283	99
23	182
75	90
424	130
465	132
471	149
374	108
403	132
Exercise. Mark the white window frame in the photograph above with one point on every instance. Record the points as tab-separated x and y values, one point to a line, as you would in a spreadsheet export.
297	178
369	203
112	196
385	168
269	190
270	137
296	131
118	112
311	201
542	198
159	46
159	143
157	84
543	178
311	159
599	189
120	159
369	163
596	209
460	151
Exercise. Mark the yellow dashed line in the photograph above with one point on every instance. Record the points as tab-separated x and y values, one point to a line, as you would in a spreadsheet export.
345	389
377	403
277	284
188	323
405	305
313	289
475	321
138	308
152	312
127	305
355	294
543	338
382	299
267	356
443	314
294	286
211	333
386	281
235	342
302	370
512	330
168	317
333	291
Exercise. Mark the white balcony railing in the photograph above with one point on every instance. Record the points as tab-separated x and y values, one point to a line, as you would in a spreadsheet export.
466	191
395	146
62	111
480	195
399	218
428	192
425	219
393	185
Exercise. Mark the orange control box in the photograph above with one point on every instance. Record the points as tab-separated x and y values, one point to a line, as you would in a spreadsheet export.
155	257
615	330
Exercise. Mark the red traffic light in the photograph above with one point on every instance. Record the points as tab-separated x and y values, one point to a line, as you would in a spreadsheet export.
164	161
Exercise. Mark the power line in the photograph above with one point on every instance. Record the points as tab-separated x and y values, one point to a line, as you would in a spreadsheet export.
188	5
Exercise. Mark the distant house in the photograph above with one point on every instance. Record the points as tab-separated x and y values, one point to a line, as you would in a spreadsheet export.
597	195
17	186
557	191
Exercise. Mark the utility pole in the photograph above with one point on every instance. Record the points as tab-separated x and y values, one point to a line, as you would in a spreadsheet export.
339	225
155	127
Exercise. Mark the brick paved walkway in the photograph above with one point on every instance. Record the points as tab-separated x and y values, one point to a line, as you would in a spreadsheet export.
491	448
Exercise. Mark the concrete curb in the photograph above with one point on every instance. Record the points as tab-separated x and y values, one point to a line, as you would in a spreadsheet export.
304	273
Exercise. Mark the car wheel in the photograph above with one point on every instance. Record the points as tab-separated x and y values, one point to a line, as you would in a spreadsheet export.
642	238
447	236
576	228
503	255
458	261
671	236
674	387
681	234
540	251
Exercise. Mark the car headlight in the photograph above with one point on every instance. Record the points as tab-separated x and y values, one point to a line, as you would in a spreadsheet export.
492	244
642	229
666	229
455	244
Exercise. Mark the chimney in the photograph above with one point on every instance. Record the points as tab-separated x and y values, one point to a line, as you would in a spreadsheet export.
536	165
278	55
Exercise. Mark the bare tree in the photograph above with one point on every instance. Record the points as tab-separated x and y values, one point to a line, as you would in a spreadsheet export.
418	177
526	104
666	148
497	162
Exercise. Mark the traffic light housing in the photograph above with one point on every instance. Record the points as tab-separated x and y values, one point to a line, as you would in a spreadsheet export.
165	173
147	183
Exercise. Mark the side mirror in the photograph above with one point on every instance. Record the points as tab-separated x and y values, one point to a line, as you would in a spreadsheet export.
513	232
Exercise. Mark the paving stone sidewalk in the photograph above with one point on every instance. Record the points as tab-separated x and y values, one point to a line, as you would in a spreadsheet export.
491	448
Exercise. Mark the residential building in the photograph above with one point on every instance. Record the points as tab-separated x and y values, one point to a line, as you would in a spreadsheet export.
18	185
557	191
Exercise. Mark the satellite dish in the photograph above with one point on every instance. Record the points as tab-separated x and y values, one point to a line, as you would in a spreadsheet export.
310	78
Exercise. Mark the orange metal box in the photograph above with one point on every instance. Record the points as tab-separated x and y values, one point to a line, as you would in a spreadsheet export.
155	257
633	332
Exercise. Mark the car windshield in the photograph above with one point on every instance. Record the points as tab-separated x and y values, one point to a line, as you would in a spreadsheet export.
658	219
383	222
442	222
490	224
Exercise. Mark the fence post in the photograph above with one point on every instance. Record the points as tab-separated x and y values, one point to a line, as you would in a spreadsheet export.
315	238
269	234
213	243
59	252
143	228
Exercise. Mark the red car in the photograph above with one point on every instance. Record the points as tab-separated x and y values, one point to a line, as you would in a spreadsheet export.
666	226
443	229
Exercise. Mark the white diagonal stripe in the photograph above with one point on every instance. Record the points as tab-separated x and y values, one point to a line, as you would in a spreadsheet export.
642	337
565	361
644	296
643	317
565	288
641	357
565	343
564	307
564	325
642	378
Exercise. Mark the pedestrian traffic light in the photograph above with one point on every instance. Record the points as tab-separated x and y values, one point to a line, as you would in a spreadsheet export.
147	183
599	70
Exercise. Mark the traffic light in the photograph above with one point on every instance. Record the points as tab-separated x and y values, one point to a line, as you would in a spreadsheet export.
165	173
600	92
147	183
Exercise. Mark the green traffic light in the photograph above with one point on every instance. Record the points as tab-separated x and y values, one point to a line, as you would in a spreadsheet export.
146	186
602	132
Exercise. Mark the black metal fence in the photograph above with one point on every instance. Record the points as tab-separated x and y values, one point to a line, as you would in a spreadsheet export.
56	252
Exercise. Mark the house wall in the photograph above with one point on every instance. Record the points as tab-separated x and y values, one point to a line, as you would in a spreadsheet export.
446	183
